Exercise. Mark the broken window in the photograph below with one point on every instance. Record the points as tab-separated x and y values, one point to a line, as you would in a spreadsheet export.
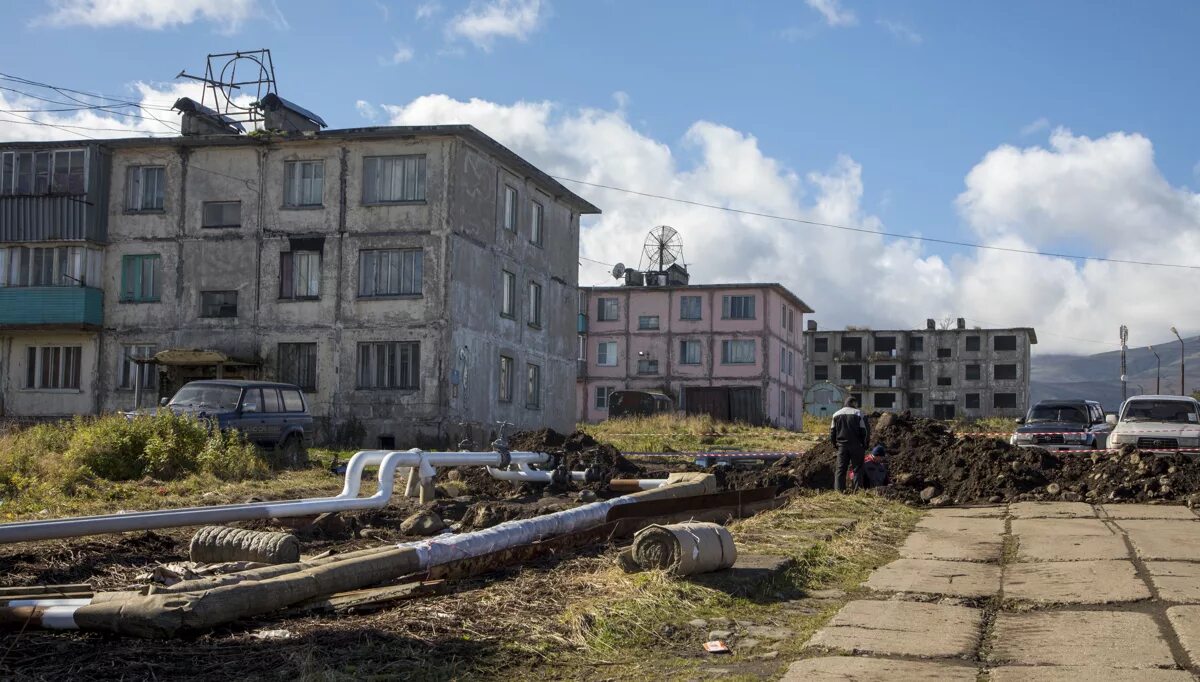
820	372
390	272
916	401
1004	401
885	372
145	188
852	373
390	179
304	183
300	274
972	344
916	344
298	365
53	366
885	400
885	344
218	303
972	401
821	344
945	381
916	372
852	345
62	171
944	353
140	278
389	364
1004	343
972	373
222	214
1005	372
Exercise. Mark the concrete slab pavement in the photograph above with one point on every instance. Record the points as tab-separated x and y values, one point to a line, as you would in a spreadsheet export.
859	669
995	511
1059	673
1067	540
951	546
1075	582
1176	581
1109	639
931	576
1163	539
902	628
1051	510
1185	620
1148	511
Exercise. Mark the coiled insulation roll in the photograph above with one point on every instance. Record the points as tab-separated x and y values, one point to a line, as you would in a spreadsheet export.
218	544
684	548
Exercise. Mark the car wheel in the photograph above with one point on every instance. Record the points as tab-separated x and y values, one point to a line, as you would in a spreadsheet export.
294	454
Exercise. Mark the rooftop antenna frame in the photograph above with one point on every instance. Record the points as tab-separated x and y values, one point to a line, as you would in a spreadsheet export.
221	80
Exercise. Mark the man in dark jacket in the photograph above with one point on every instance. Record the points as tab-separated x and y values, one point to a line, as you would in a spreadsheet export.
849	433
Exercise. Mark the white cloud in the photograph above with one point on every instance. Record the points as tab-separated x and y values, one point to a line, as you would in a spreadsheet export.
1015	198
902	31
402	54
833	12
427	10
366	110
156	15
1035	127
483	22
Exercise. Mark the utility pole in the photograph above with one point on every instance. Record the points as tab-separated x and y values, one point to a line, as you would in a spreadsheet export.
1157	371
1182	387
1124	339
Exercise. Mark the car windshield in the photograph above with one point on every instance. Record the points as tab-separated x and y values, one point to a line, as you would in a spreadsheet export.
1174	411
208	397
1057	413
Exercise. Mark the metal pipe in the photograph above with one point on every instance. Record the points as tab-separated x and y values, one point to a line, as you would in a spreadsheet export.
524	474
347	500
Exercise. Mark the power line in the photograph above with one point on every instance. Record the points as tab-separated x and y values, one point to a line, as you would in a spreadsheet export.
65	126
65	93
32	121
895	235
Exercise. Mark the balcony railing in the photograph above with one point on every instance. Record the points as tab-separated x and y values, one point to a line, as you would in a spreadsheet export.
51	307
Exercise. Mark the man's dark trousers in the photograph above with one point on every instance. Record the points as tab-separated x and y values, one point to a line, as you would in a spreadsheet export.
847	457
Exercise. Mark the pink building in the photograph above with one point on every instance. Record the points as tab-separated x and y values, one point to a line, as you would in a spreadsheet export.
730	350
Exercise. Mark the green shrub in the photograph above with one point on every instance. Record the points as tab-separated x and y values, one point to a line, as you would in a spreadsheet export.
230	458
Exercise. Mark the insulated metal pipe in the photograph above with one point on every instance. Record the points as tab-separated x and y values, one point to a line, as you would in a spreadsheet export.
348	500
524	474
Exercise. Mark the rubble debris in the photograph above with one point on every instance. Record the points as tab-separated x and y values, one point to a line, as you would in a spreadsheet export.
423	523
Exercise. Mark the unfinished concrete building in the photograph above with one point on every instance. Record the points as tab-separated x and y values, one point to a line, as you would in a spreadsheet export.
411	279
933	372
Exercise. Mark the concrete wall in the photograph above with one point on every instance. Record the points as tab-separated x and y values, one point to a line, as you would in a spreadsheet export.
18	399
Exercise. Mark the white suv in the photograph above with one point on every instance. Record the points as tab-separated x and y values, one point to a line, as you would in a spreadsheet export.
1157	422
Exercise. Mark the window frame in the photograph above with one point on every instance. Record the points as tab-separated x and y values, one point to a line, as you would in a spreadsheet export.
973	344
204	208
945	353
534	314
371	181
603	359
647	367
967	401
533	386
916	372
134	264
1007	365
126	368
728	354
746	311
685	345
297	363
916	344
63	373
411	270
293	183
10	171
605	391
291	275
945	381
508	294
602	309
139	206
644	323
221	306
389	375
504	386
820	344
510	216
890	406
684	302
996	343
978	373
820	372
537	223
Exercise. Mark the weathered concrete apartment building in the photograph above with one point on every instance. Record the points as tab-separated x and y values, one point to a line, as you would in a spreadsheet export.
410	279
731	350
939	373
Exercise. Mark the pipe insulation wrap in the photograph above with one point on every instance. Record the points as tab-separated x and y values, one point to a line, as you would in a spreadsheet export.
219	544
685	548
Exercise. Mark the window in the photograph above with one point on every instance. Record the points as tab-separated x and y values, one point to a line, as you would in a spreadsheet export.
388	179
53	366
916	344
510	209
852	345
647	366
606	309
139	278
536	218
972	372
820	372
300	274
689	352
145	187
851	373
972	401
737	307
222	214
885	344
303	183
506	379
606	354
389	364
533	386
62	171
885	400
648	322
737	352
916	401
292	400
1004	401
972	344
128	373
943	411
535	304
885	372
821	344
944	381
787	361
270	400
916	372
390	272
218	303
1005	372
1003	343
508	294
50	266
944	353
689	307
298	365
602	393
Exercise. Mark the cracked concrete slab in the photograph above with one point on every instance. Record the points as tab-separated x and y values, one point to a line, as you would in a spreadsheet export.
1075	582
1163	539
1148	511
959	524
1051	510
860	669
1176	581
1067	540
951	546
902	628
1090	673
1107	639
1185	620
998	511
930	576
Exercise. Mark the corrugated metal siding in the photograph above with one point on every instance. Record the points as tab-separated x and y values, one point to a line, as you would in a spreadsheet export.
32	306
46	218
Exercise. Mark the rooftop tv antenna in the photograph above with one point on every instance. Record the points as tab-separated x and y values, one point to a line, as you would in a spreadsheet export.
230	75
663	248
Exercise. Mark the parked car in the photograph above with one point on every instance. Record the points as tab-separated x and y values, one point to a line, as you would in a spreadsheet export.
270	414
1063	425
1157	422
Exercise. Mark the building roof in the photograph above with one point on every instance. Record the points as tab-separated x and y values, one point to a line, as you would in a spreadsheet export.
775	286
1028	330
467	132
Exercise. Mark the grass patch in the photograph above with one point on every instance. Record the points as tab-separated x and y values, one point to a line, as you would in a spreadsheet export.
694	433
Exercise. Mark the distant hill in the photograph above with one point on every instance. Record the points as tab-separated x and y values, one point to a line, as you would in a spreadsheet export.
1098	377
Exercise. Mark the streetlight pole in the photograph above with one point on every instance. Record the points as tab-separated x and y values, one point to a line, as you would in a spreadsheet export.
1157	371
1182	388
1124	339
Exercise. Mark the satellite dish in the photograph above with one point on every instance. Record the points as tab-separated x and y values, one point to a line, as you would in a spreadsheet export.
663	248
618	271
